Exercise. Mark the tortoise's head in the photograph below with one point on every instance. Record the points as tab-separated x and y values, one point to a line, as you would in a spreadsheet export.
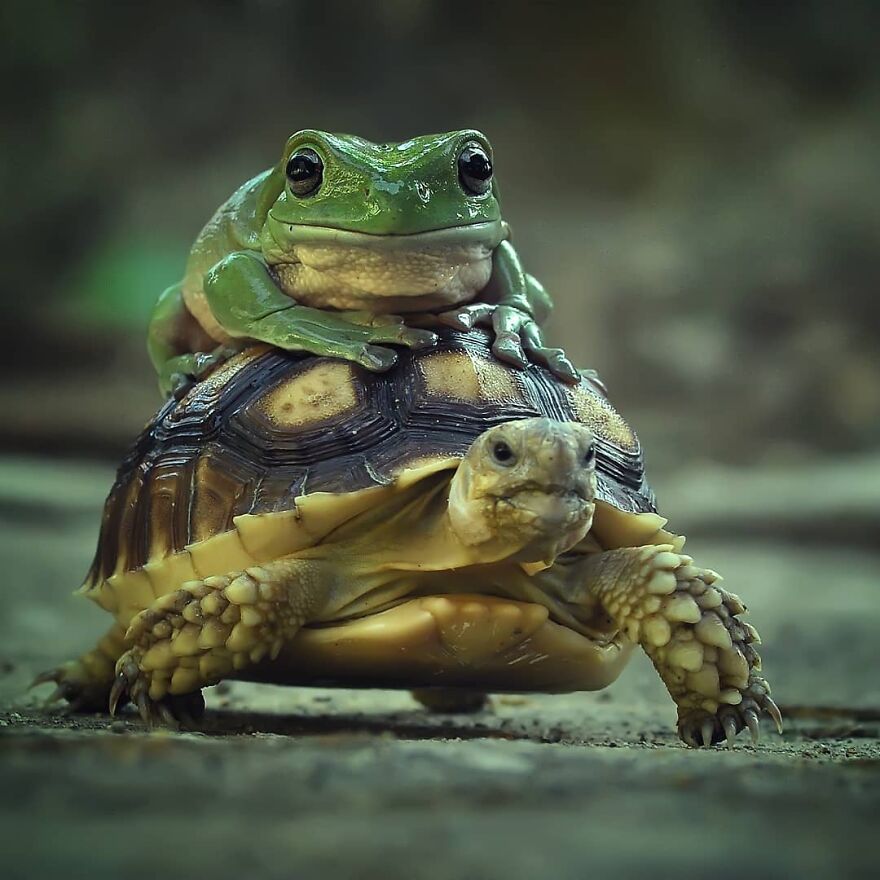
529	485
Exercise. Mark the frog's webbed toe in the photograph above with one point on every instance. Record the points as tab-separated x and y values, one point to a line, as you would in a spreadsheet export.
518	338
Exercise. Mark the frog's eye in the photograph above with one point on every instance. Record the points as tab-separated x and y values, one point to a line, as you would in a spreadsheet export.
305	171
475	169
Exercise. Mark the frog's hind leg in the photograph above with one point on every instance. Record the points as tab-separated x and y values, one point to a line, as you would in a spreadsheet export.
178	374
182	352
85	682
210	629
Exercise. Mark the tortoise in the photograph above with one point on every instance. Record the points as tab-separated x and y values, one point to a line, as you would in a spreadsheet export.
456	522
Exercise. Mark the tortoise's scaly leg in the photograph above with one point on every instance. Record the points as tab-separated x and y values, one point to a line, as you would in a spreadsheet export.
85	682
690	628
451	700
209	629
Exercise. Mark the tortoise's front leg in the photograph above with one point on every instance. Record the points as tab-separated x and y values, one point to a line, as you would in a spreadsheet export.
85	682
690	628
210	629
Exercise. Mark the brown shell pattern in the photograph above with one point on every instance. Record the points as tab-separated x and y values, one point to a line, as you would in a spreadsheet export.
273	425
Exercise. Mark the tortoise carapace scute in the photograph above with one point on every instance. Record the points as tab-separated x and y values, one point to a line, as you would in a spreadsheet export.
272	425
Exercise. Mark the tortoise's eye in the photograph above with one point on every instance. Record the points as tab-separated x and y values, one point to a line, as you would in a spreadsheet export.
305	171
503	454
590	456
475	169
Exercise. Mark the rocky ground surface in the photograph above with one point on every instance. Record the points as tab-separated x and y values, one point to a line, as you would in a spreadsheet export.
289	782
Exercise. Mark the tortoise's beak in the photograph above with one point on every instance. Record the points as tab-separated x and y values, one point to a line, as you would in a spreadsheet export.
550	522
550	512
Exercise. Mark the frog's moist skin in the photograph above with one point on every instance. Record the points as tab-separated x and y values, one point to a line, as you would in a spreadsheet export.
346	246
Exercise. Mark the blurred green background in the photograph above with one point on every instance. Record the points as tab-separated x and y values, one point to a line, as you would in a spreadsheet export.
696	183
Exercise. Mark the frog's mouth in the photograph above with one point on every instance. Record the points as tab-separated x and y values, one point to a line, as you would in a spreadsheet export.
325	267
488	234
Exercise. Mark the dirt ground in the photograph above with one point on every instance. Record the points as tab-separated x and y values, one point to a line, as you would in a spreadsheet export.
291	783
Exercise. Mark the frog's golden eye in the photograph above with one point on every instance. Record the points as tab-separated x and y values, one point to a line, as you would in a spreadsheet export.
475	169
305	171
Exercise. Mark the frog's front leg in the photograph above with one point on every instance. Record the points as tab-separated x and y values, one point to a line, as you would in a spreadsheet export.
519	304
181	351
248	304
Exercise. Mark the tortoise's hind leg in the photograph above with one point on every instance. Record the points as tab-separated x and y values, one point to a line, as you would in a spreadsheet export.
209	629
690	628
85	682
451	700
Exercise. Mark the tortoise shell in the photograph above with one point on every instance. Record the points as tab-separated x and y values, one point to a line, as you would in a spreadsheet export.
270	427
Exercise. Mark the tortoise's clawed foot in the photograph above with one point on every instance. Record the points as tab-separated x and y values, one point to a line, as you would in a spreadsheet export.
132	684
701	729
74	685
706	654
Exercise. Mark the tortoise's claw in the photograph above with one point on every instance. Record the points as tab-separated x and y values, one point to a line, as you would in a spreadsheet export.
119	689
172	710
45	678
74	685
697	727
167	716
59	693
773	711
752	723
142	701
129	685
730	730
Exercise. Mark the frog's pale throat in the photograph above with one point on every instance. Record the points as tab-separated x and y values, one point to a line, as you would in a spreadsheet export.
326	267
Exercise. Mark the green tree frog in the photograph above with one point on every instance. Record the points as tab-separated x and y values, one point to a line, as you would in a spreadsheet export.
346	247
